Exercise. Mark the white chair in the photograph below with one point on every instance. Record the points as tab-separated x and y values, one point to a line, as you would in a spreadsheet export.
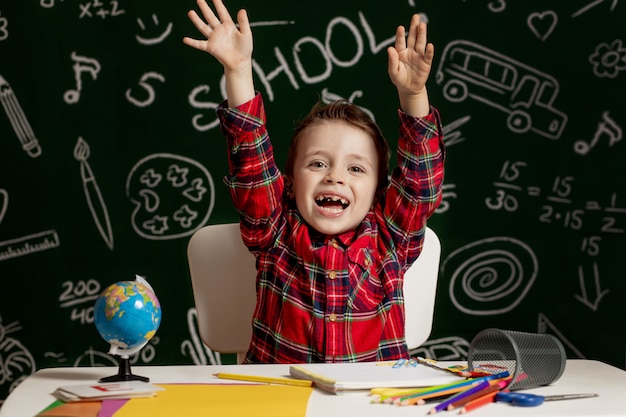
223	275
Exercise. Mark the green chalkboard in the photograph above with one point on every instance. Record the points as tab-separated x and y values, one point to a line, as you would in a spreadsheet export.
110	157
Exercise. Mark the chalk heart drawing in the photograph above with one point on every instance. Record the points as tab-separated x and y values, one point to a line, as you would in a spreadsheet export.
542	24
4	202
173	196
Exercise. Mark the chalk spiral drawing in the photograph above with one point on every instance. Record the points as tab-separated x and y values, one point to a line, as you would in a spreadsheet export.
173	196
490	276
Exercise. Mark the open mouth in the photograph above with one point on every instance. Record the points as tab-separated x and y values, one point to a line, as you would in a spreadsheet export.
331	202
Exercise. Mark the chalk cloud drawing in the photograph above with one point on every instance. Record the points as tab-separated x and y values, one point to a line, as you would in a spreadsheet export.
16	362
94	198
452	348
18	120
525	94
173	196
490	276
154	40
542	24
608	59
200	353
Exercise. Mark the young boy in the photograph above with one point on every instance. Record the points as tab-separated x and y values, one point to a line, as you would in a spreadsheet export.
332	236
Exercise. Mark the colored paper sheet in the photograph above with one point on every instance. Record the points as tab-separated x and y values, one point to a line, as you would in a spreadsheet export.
75	409
201	400
109	407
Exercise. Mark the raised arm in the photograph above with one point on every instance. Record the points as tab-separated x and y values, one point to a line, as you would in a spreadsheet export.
410	61
231	44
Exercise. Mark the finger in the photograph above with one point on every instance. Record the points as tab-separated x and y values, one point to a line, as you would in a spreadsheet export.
413	31
243	22
420	42
199	23
429	53
207	13
222	11
393	62
400	44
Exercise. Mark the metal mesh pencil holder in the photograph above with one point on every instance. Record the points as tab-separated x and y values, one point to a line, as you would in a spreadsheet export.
532	359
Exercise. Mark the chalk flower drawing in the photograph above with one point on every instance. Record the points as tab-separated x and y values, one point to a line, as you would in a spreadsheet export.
608	60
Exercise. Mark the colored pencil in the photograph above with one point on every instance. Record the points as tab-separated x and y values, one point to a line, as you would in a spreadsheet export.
478	402
462	401
265	379
459	396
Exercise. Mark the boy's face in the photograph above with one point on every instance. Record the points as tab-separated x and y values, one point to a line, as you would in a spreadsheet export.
335	176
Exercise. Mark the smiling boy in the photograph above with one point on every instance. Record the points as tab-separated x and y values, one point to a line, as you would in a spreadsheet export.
332	236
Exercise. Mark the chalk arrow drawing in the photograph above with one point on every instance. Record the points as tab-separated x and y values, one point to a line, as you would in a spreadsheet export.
585	297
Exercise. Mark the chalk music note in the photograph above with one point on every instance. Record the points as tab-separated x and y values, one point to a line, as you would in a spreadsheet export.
81	65
607	127
92	193
18	120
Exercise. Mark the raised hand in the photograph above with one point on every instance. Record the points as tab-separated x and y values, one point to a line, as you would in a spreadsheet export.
410	62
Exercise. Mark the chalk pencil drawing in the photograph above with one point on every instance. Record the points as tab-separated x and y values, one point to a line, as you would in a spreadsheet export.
92	192
525	94
173	196
18	120
490	276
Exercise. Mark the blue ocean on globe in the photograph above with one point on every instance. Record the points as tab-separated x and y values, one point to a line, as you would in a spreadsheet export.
127	315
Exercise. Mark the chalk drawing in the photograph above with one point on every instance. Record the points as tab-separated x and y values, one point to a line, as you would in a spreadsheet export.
607	127
94	198
490	276
173	196
452	348
542	24
590	297
16	362
525	94
145	85
200	353
608	59
82	64
154	40
26	245
18	120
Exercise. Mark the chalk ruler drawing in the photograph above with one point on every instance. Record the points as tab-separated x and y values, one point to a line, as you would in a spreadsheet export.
173	196
18	120
25	245
94	198
490	276
525	94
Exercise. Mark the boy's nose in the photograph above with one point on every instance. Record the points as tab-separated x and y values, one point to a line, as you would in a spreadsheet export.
334	178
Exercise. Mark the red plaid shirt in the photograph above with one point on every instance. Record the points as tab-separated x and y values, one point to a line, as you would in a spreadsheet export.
330	298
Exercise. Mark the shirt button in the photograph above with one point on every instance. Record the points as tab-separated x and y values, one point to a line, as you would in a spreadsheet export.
332	317
332	275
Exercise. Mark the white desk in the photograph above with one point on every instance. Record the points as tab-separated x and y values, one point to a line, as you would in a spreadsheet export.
580	376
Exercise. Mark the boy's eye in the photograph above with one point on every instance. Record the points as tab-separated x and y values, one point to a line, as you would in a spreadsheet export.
356	169
317	164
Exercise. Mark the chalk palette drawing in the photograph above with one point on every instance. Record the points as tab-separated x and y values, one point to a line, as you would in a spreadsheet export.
608	59
173	196
590	295
160	35
93	195
592	4
200	353
145	85
490	276
328	97
4	203
16	361
4	27
525	94
19	122
452	348
82	65
26	245
542	24
545	326
607	127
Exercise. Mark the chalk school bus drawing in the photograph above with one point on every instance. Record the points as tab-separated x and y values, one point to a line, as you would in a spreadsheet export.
468	70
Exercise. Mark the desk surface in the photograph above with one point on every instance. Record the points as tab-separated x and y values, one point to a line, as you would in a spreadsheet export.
580	376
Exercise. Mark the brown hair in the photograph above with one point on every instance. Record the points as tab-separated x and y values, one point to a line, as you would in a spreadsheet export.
354	115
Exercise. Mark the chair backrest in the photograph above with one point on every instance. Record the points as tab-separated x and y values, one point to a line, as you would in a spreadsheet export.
223	275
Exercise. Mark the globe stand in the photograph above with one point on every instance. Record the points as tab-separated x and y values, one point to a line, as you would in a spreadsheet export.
124	373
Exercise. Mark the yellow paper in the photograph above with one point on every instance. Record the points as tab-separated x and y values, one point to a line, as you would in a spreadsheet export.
201	400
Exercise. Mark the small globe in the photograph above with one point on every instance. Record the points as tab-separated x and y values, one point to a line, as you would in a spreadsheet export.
127	315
